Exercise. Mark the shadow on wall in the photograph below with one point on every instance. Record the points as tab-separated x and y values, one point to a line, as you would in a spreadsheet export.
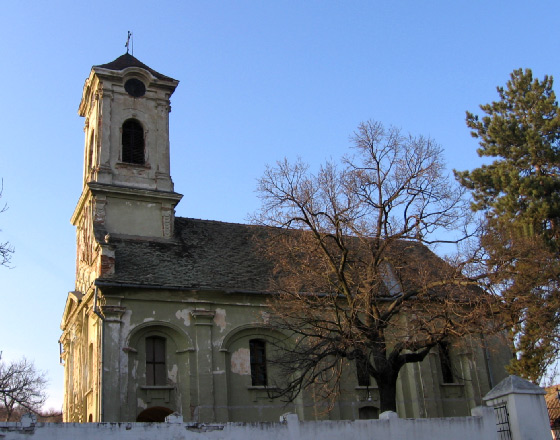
154	414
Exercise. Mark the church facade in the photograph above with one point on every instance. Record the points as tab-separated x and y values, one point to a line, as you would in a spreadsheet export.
169	314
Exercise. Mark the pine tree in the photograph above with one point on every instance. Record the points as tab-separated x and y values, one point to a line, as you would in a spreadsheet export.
519	192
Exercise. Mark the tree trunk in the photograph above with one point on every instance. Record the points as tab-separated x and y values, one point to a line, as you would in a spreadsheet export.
387	394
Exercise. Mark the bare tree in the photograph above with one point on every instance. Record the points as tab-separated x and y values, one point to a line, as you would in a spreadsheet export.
21	387
6	250
355	277
50	415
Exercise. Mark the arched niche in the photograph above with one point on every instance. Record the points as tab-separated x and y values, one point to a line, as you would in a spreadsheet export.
173	391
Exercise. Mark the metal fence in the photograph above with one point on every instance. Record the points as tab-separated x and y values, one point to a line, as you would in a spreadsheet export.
502	424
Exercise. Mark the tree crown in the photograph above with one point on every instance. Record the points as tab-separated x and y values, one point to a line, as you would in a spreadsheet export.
522	131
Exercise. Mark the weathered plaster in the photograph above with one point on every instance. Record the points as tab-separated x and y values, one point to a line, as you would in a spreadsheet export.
240	362
172	373
185	315
125	322
220	319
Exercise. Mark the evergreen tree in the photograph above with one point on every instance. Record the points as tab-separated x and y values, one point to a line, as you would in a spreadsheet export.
520	194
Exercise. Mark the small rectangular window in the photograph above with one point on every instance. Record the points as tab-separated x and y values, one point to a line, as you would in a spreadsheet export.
156	373
257	351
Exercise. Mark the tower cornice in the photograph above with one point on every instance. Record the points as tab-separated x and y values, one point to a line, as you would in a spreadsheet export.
95	189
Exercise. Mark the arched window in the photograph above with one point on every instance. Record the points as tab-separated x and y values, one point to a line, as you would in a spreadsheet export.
133	142
156	373
257	354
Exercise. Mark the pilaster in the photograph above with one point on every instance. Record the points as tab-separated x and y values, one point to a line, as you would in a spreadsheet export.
111	398
203	320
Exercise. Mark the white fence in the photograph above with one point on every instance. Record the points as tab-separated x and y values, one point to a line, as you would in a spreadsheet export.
478	427
527	417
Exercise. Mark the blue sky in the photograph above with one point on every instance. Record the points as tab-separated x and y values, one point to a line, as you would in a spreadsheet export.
259	81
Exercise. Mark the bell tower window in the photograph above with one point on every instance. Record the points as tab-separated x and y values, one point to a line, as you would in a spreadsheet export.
133	142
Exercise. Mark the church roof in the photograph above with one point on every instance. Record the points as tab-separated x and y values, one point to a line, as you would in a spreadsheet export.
213	255
128	60
205	255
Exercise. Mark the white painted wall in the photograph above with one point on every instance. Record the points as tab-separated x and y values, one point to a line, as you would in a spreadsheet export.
482	426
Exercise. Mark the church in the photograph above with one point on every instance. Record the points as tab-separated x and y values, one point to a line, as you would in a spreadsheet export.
169	314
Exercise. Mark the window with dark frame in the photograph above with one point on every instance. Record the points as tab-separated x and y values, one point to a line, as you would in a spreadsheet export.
155	361
133	142
364	379
445	362
257	354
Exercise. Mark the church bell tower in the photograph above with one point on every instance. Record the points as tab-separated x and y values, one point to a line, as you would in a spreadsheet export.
127	186
127	195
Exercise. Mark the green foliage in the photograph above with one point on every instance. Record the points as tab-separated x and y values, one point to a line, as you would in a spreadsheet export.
520	194
522	131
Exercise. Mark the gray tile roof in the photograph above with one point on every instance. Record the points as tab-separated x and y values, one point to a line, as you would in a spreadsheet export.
214	255
204	255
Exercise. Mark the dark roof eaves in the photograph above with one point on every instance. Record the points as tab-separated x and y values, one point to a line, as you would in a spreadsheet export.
109	283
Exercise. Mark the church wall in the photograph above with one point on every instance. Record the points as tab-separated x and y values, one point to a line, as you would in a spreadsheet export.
209	373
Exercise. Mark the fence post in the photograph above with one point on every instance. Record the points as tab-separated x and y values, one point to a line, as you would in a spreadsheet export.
488	419
526	407
293	426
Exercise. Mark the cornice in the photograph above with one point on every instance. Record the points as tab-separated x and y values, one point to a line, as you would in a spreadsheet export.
133	193
119	76
126	192
80	205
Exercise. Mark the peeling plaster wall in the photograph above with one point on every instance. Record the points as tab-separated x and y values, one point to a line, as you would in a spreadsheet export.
133	217
240	362
208	365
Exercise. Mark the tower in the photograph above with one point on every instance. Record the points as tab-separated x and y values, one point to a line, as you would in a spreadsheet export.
127	186
127	191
